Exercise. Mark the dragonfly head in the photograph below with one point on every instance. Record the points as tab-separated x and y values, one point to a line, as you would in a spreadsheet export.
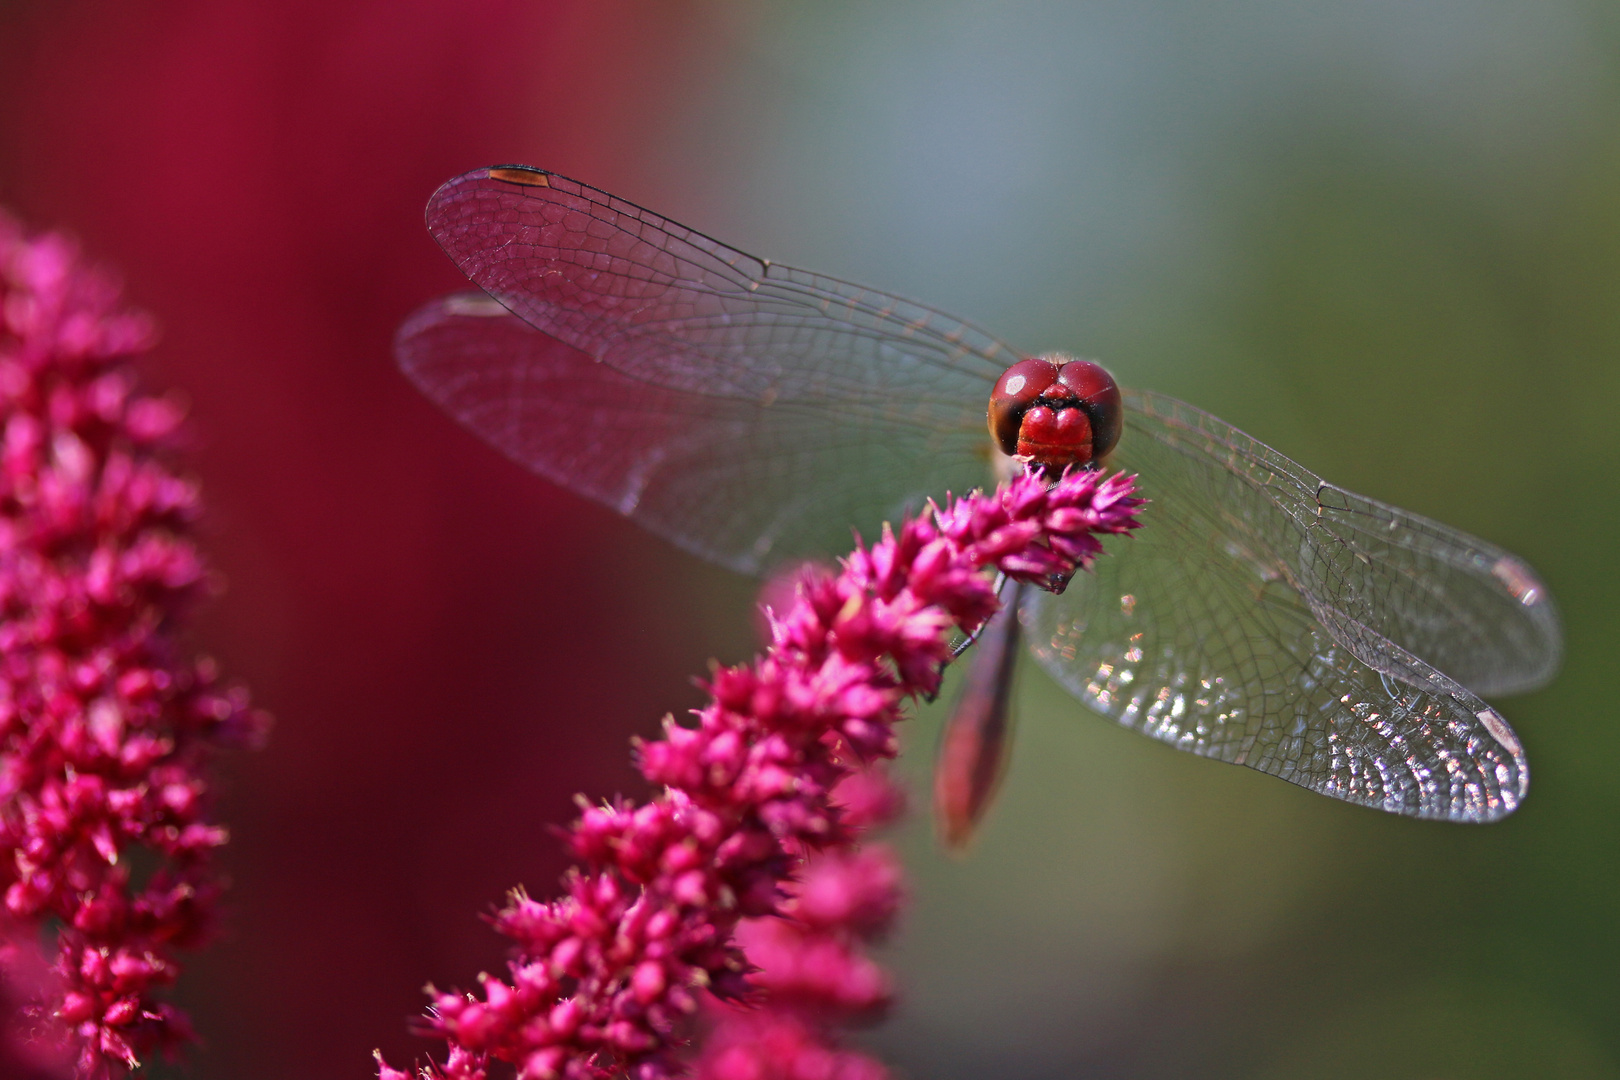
1053	411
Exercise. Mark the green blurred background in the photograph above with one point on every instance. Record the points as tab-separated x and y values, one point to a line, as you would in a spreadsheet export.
1383	237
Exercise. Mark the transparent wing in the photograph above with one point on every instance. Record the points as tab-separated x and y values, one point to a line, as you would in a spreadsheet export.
1265	618
822	405
671	306
727	478
1373	574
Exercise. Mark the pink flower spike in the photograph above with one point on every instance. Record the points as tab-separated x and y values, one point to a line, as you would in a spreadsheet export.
106	727
745	877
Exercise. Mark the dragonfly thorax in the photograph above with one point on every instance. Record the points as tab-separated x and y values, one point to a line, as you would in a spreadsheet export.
1052	412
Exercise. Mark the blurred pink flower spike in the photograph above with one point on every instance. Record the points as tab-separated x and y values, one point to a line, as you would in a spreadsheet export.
743	878
29	1049
104	726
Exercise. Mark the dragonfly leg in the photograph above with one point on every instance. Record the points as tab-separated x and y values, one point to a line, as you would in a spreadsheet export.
967	643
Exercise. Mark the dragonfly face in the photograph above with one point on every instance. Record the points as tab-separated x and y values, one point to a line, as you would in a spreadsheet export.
752	413
1054	411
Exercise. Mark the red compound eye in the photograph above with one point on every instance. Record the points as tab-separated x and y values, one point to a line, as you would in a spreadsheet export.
1056	413
1099	397
1016	390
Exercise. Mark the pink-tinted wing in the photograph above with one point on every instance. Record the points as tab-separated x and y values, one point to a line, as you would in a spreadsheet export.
729	479
666	304
810	404
1264	617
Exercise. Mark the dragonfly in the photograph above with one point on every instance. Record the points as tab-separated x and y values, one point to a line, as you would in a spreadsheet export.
753	414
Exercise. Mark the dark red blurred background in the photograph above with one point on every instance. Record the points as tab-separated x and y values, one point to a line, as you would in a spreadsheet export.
451	647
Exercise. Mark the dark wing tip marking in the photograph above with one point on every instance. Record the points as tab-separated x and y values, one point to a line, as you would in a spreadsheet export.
526	175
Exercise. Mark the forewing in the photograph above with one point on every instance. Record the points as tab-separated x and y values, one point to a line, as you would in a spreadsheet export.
670	306
1242	624
730	479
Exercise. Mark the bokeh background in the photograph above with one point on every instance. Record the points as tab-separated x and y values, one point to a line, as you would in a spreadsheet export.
1382	236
